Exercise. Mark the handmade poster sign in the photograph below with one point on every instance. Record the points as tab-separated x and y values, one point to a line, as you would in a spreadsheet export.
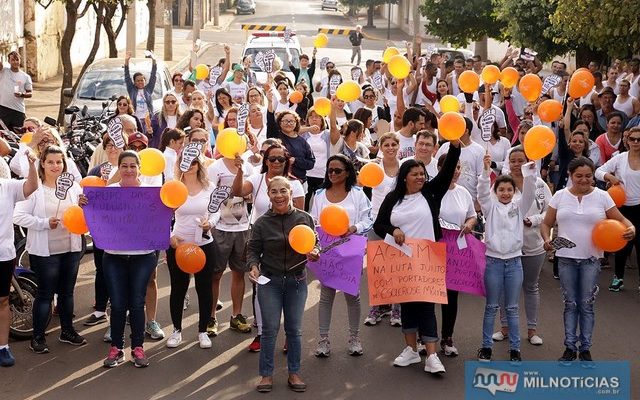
550	82
377	81
287	35
396	278
189	153
214	74
217	197
63	184
465	264
562	243
243	114
269	58
340	263
127	218
356	73
259	60
323	62
114	130
487	119
334	82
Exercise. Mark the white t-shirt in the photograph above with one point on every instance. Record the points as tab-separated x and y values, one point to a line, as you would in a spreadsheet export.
11	192
618	165
261	202
499	151
141	105
238	91
407	146
320	151
576	220
356	204
172	120
170	158
233	211
457	206
379	192
9	82
432	167
59	238
187	215
471	165
413	217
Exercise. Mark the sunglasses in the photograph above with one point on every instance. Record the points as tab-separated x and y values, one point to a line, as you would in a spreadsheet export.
178	80
335	171
369	97
123	104
137	148
633	139
170	102
279	159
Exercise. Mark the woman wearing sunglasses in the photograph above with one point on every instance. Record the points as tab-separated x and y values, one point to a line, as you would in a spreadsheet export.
124	106
166	118
339	187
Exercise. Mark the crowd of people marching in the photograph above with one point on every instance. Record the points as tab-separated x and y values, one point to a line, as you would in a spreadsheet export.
303	155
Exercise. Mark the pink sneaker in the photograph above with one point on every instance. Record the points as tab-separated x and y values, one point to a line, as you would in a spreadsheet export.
115	357
139	359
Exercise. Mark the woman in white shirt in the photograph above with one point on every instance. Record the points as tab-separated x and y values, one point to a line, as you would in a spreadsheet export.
54	252
192	225
283	102
319	139
170	144
339	187
577	210
504	232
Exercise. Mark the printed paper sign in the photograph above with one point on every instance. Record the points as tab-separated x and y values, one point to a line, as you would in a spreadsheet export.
287	35
127	218
487	119
465	264
550	82
114	130
259	60
218	196
269	58
189	153
243	114
334	82
377	80
323	62
562	243
214	74
396	278
105	171
63	184
356	73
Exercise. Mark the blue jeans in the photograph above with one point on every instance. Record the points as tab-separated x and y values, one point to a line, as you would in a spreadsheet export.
127	278
56	274
579	281
502	276
282	294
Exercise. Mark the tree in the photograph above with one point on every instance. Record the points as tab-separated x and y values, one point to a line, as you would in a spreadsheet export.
151	35
369	4
112	34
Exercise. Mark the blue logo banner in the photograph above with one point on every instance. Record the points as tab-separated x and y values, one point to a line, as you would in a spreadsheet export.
547	380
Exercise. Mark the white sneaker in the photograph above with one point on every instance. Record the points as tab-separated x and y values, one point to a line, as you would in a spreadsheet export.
422	349
107	335
499	336
535	340
175	339
407	357
450	351
185	303
205	342
434	365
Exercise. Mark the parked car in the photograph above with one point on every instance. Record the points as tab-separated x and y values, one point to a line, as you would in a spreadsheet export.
450	53
245	7
330	5
263	41
105	78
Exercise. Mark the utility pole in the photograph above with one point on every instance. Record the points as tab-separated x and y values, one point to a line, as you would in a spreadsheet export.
216	12
131	29
388	19
168	30
197	19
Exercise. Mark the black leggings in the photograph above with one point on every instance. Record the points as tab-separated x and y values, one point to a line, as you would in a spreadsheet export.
313	184
632	213
6	272
180	285
449	314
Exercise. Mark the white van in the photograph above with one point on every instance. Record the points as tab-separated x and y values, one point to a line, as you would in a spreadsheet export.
263	41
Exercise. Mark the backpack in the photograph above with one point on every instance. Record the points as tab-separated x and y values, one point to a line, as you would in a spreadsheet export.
353	38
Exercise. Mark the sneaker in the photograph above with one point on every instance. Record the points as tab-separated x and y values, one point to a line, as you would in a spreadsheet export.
385	310
115	358
557	277
355	346
107	335
585	359
154	330
205	342
39	345
138	358
515	356
395	318
373	318
212	327
175	339
484	354
285	348
186	302
535	340
433	365
324	348
448	348
422	349
93	320
499	336
254	347
6	358
72	338
407	357
239	323
568	356
219	305
616	285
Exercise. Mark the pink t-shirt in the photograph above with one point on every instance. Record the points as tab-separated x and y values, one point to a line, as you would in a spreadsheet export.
607	149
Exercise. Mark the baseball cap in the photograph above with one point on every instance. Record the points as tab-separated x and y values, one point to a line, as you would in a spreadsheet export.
609	90
138	137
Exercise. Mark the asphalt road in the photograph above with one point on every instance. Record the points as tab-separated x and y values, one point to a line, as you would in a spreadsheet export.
229	371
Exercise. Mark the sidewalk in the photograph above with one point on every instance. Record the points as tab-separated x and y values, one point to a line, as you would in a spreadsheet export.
46	94
396	35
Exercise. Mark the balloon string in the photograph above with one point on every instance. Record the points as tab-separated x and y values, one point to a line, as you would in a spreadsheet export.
58	208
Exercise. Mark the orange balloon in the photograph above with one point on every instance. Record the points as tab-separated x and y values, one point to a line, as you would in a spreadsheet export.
607	235
550	110
296	97
371	175
530	87
73	220
469	81
449	103
618	195
581	83
490	74
451	125
302	239
334	220
92	181
190	258
26	138
539	142
322	106
174	194
509	77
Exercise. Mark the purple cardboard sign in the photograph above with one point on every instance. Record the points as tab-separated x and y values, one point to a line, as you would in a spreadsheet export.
131	218
465	267
340	267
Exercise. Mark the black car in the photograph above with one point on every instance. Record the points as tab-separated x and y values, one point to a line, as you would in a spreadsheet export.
245	7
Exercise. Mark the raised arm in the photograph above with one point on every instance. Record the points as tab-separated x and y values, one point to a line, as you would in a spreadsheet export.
334	132
240	186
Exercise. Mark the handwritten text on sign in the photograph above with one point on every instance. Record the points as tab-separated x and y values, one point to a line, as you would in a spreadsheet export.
465	267
396	278
131	218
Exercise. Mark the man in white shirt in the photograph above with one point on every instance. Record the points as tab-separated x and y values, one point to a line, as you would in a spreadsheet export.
15	86
425	146
413	120
237	87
